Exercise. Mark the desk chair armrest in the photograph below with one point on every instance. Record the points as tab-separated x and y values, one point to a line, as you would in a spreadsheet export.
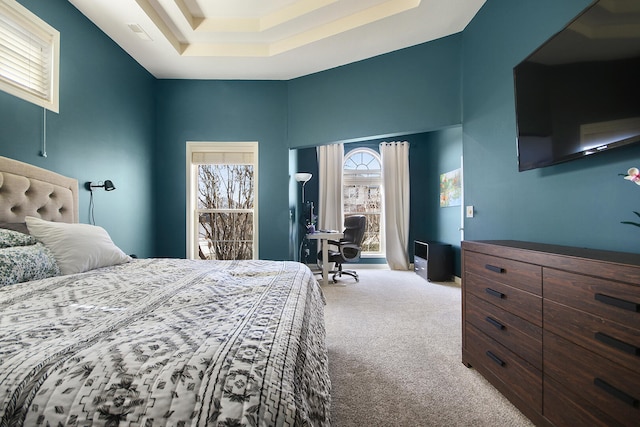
350	251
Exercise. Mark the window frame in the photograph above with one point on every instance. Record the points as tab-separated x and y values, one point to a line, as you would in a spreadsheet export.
360	181
30	24
192	190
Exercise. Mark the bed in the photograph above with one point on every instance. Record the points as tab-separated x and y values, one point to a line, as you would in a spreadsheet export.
90	336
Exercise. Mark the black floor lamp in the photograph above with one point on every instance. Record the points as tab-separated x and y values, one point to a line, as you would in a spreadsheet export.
307	216
303	177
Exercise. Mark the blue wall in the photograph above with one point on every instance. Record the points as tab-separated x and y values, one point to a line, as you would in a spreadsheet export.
364	99
430	154
580	203
117	122
397	96
105	128
407	91
205	110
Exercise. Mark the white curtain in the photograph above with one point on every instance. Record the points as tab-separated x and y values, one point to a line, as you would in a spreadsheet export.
395	188
330	159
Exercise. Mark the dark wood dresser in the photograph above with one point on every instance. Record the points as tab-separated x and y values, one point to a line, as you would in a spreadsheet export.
556	329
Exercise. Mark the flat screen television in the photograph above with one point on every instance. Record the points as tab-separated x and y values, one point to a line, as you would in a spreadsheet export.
579	93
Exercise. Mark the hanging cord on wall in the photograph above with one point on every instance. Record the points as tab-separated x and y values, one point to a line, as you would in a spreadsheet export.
43	153
92	218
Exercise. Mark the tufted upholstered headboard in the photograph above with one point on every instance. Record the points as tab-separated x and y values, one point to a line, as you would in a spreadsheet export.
27	190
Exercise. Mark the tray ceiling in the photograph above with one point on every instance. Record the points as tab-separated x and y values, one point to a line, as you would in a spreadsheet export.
269	39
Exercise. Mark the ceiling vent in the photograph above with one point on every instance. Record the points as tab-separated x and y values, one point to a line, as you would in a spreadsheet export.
137	29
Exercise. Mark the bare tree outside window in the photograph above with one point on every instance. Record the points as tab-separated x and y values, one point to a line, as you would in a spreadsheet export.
225	211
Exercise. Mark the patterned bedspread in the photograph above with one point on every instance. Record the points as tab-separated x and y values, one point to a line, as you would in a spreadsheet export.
166	342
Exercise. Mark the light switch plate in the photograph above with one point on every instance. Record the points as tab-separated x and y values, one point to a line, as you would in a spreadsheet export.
469	211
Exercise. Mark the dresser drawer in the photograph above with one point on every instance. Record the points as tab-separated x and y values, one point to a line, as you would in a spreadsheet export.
611	300
564	409
523	304
609	339
523	379
609	386
518	274
513	332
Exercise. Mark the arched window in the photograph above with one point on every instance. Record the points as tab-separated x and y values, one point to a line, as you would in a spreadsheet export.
362	195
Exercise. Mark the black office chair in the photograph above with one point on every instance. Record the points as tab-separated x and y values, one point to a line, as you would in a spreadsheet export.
348	247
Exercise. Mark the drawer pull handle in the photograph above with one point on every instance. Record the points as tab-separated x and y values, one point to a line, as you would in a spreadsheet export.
494	293
494	322
495	358
615	343
494	268
626	398
617	302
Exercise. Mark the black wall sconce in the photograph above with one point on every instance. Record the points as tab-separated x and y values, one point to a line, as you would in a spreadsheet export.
107	185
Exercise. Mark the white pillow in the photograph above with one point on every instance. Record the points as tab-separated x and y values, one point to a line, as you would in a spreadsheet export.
77	247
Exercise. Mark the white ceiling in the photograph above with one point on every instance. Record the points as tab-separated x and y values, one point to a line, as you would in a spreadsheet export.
269	39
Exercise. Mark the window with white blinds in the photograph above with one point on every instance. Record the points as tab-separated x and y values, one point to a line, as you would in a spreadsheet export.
224	157
222	202
29	56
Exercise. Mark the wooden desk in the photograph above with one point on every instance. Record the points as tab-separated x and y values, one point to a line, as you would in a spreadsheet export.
323	237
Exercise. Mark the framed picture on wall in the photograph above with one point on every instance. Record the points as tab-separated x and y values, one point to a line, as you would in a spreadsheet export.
450	189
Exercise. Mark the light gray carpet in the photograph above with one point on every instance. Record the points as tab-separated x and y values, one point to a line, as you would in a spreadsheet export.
394	343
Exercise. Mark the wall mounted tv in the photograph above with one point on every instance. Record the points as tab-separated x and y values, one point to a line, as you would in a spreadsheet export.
579	93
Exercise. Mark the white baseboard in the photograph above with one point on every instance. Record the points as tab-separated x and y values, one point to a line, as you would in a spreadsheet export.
369	266
356	266
457	280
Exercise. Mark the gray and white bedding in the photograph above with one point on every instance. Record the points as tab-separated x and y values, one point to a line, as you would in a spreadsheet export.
166	342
